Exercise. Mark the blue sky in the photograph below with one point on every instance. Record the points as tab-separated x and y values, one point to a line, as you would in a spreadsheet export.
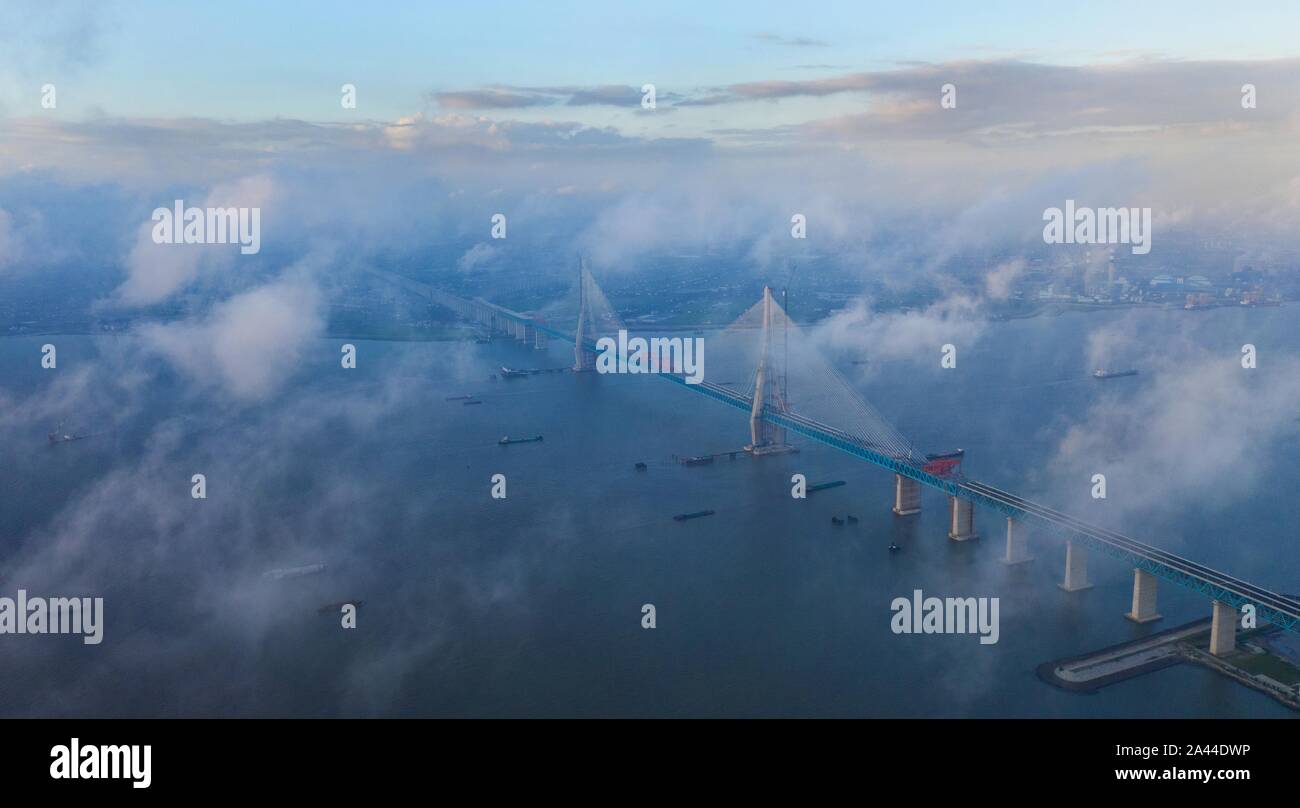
466	110
246	60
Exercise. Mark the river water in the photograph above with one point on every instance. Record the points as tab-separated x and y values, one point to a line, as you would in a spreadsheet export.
532	605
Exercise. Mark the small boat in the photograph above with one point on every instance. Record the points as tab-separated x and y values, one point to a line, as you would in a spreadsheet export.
835	520
824	486
641	467
334	607
853	520
682	517
894	548
471	401
1102	373
458	398
507	440
293	572
697	460
510	373
59	436
956	453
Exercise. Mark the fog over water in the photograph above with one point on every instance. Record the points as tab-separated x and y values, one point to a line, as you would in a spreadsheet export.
532	605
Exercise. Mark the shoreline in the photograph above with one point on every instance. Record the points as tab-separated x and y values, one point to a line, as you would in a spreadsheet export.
1046	310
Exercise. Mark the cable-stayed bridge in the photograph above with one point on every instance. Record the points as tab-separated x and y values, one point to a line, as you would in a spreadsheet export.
826	409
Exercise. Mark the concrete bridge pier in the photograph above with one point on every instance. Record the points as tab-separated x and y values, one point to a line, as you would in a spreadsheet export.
1076	569
1223	629
584	360
539	339
1017	550
963	520
1144	598
907	496
527	333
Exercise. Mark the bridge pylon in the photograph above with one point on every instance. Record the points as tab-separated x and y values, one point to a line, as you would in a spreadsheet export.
584	359
765	437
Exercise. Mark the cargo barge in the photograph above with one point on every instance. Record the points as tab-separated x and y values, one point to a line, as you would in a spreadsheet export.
507	440
682	517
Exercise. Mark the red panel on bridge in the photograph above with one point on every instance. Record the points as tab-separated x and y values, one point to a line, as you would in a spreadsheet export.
943	467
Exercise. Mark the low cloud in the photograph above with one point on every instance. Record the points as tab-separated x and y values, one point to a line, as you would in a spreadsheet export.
1198	429
999	281
248	345
476	256
12	248
893	335
155	271
192	621
490	99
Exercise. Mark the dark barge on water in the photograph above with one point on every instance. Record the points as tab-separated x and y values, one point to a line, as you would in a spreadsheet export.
824	486
507	440
682	517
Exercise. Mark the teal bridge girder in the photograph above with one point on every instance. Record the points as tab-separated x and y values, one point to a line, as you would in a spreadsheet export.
1280	610
1276	609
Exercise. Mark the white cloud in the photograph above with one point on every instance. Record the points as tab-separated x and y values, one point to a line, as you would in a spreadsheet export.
1199	429
11	248
155	272
903	334
476	256
248	344
999	281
